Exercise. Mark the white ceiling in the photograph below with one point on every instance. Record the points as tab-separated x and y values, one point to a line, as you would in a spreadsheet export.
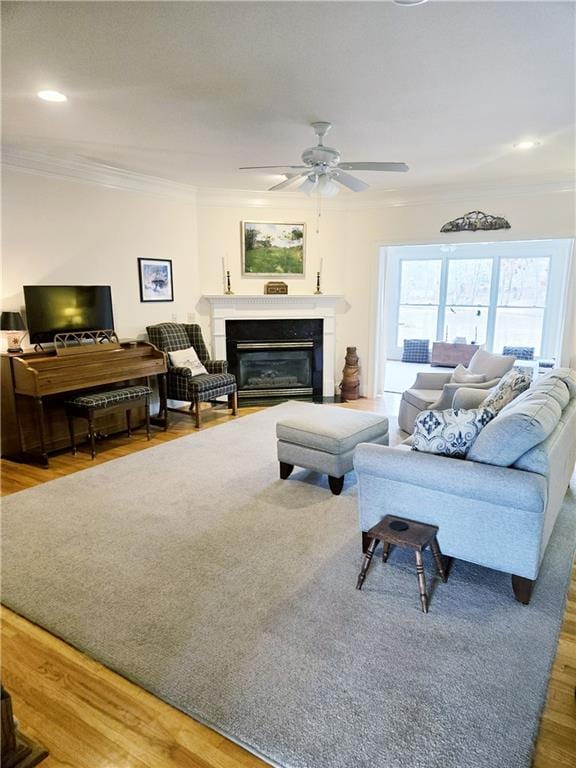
189	91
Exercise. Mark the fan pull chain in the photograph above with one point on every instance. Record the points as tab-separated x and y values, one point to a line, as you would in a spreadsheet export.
318	213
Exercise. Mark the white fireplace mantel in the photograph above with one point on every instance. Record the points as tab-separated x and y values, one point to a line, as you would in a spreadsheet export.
287	307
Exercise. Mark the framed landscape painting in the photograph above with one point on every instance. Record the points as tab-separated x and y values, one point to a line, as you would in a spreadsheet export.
270	249
155	280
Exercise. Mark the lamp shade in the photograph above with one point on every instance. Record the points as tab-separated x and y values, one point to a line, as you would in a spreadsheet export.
11	321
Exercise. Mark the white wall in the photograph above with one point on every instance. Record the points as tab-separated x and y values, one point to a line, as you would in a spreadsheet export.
59	232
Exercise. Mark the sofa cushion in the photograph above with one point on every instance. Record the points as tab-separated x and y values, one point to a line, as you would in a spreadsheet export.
554	387
451	432
462	375
518	427
421	398
567	375
492	366
508	388
332	429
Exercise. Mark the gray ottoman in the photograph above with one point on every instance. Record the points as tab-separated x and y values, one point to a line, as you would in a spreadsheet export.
324	440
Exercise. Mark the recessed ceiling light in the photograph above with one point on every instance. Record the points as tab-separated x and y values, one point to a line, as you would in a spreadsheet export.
410	2
52	96
526	144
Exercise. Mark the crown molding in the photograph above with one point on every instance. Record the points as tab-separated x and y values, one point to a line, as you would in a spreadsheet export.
113	177
93	172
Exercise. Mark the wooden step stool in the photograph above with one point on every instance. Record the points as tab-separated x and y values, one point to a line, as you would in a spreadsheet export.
84	406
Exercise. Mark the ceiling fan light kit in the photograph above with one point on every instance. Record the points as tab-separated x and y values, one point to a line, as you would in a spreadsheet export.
322	170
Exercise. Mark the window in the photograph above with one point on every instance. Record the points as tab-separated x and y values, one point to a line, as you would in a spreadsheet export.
494	294
468	299
522	291
419	299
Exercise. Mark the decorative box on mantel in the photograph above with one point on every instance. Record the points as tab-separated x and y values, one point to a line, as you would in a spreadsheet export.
290	307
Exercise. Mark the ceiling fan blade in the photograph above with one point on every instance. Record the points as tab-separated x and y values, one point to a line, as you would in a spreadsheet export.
356	185
308	185
266	167
399	167
292	178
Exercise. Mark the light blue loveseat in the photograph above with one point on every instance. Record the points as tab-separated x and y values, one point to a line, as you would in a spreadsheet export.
498	507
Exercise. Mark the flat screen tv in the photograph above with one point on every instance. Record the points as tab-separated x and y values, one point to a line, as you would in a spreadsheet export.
52	309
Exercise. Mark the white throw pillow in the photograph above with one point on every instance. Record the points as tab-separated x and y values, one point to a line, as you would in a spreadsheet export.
187	358
449	433
461	375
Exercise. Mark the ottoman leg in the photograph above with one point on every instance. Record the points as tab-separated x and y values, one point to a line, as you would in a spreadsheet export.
336	484
285	470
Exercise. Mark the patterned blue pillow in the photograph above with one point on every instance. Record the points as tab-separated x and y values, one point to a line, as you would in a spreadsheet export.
416	351
520	353
449	433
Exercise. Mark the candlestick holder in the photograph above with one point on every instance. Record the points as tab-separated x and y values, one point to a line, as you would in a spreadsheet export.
317	292
229	291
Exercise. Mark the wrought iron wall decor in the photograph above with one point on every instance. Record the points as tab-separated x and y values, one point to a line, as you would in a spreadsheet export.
475	220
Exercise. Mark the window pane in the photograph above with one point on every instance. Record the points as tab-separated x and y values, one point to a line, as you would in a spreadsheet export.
417	323
469	281
466	322
523	282
517	327
420	281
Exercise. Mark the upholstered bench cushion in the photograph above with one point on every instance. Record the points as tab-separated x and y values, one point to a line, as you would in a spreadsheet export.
332	429
112	397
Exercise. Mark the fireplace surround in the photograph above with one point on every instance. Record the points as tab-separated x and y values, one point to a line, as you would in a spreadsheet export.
323	307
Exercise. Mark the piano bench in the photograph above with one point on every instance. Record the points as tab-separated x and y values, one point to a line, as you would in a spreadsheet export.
86	405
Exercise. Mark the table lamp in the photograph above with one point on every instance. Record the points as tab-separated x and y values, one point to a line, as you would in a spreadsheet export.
13	323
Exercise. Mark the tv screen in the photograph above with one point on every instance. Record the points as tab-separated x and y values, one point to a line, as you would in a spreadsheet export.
52	309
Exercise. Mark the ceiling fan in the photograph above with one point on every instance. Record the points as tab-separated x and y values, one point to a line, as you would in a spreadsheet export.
322	168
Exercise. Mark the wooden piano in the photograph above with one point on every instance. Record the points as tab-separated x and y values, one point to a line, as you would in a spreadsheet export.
35	385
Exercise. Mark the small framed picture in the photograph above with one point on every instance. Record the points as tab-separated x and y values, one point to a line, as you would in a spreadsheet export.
155	280
270	249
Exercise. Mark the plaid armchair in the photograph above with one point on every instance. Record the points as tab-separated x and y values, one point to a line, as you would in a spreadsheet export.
180	384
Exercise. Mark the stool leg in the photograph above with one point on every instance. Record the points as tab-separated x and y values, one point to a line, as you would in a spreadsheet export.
437	555
233	403
71	430
147	408
198	415
128	421
421	581
386	551
366	564
92	435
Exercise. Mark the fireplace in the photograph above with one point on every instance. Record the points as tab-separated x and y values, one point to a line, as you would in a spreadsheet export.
276	358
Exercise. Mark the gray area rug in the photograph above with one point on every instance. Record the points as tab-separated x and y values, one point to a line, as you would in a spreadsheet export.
192	570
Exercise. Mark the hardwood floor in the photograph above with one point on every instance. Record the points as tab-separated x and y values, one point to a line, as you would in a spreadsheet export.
90	717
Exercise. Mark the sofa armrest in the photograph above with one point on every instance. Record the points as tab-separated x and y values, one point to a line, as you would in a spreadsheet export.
503	486
216	366
431	380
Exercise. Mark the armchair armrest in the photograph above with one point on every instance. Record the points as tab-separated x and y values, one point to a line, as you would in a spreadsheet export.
216	366
431	380
457	477
468	397
446	399
178	371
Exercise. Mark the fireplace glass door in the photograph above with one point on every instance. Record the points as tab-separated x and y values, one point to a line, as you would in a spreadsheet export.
281	367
